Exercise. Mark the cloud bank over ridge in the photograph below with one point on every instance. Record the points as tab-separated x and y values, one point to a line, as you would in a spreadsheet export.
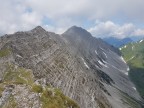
119	18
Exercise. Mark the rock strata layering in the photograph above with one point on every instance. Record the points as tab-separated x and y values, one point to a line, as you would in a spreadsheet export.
41	69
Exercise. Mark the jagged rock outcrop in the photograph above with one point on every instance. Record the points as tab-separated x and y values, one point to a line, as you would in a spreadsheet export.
86	69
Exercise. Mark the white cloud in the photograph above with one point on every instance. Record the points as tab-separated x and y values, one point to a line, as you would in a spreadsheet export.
109	28
139	32
15	14
94	9
30	19
55	29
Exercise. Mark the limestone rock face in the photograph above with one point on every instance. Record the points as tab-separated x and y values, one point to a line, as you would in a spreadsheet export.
84	68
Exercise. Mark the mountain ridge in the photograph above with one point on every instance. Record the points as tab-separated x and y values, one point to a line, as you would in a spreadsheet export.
87	70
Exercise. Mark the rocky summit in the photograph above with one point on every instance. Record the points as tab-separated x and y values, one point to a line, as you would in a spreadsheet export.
41	69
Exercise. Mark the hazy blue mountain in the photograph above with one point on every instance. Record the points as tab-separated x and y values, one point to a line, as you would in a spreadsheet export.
117	42
137	38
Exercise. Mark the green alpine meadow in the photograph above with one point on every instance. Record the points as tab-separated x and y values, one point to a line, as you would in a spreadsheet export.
133	53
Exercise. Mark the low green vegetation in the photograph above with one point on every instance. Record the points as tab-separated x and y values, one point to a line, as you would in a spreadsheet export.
49	96
18	75
37	88
1	89
11	103
133	53
137	76
100	104
4	52
14	75
54	98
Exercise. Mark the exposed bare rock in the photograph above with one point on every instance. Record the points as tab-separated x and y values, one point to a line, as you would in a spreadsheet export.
25	98
84	68
5	95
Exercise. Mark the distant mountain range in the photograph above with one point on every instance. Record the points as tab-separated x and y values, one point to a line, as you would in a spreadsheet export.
117	42
133	54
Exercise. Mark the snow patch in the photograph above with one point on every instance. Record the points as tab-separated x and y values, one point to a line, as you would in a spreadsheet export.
102	63
126	73
132	47
96	52
85	63
128	69
120	48
105	54
140	41
122	59
34	55
101	48
19	56
134	88
131	58
125	46
93	98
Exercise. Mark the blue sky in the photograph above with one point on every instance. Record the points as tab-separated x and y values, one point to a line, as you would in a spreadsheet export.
103	18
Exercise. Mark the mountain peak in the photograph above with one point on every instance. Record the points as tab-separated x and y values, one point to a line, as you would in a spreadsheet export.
75	27
78	32
38	29
78	64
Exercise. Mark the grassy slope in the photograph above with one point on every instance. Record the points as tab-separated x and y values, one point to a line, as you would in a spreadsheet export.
50	97
133	53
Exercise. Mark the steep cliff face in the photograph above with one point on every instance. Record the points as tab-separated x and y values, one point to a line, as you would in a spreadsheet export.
102	57
84	68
